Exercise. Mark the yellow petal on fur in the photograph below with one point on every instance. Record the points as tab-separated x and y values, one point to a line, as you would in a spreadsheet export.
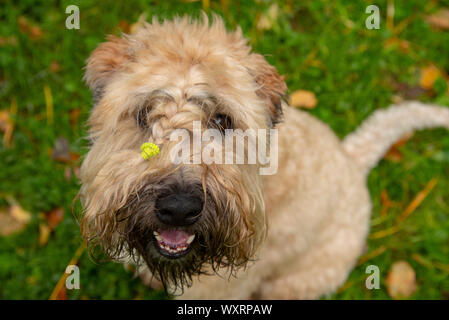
149	150
303	99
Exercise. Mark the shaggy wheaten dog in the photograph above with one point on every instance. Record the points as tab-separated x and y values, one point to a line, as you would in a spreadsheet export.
223	230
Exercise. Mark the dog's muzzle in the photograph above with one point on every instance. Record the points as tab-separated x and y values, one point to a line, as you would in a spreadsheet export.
176	211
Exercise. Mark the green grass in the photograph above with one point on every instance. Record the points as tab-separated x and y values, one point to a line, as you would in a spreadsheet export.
321	46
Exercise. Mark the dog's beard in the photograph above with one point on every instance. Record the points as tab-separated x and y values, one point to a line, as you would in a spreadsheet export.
217	243
228	233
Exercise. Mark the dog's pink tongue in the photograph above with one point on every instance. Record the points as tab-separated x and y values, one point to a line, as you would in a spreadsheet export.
174	237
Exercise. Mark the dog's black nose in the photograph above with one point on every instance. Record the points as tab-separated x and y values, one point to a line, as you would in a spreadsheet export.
179	209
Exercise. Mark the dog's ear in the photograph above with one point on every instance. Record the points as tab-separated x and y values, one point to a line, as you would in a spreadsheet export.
104	62
271	85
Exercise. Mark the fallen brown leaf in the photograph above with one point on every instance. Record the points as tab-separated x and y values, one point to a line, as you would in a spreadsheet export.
55	66
13	219
18	213
44	233
8	225
61	152
124	26
36	32
394	154
8	41
74	116
6	126
139	23
304	99
429	75
402	45
74	157
33	31
54	217
401	280
269	18
440	19
23	23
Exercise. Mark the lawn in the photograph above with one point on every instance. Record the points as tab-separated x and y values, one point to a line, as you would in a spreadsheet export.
320	46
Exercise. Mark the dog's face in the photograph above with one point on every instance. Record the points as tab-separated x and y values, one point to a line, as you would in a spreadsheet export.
177	218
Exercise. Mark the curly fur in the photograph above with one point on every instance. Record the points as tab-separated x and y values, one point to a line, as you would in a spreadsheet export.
170	74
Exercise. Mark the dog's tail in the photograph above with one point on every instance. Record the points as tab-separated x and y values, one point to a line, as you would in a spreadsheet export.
368	144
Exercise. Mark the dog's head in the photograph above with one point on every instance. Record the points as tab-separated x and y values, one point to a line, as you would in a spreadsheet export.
178	218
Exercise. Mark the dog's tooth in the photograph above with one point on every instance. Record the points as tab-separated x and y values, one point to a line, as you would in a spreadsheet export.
189	241
157	236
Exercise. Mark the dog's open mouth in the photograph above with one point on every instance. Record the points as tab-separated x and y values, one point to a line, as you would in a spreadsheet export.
173	243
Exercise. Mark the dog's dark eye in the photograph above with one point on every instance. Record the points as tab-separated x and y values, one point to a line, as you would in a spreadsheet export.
222	122
142	118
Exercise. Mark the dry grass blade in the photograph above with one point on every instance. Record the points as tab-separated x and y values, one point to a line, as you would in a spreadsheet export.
390	14
384	233
206	5
430	264
386	203
418	200
371	255
60	285
48	104
407	212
